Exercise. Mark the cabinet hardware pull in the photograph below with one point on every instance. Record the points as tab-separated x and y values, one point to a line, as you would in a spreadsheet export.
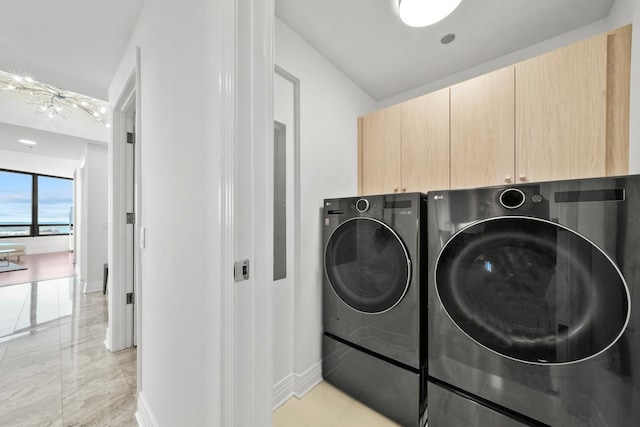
395	190
523	177
404	189
507	178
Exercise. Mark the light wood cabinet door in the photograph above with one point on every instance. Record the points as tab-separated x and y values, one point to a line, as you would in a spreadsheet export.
425	142
381	144
482	130
561	113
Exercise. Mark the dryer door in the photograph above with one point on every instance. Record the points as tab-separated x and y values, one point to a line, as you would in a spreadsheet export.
532	290
367	265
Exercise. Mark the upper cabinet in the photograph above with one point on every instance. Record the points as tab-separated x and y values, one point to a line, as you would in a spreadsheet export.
380	145
405	148
425	142
561	115
572	110
482	130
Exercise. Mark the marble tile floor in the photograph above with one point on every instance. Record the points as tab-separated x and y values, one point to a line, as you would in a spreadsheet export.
54	367
325	405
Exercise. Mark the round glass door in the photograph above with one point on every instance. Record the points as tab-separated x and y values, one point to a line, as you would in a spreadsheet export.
532	290
367	265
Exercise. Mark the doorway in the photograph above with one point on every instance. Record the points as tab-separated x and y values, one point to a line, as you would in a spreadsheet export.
124	218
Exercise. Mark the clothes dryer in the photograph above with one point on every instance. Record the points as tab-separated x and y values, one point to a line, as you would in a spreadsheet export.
534	304
374	342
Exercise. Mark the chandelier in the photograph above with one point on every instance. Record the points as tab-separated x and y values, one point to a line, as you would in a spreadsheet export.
51	100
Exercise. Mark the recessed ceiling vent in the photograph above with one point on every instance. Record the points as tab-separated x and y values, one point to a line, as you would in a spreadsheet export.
448	38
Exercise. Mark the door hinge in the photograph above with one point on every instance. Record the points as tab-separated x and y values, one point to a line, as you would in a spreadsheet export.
130	298
131	218
131	138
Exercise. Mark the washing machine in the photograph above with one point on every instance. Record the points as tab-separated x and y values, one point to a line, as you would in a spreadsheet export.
534	304
374	307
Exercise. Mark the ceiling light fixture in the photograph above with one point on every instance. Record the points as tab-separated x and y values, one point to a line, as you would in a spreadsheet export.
27	142
420	13
52	100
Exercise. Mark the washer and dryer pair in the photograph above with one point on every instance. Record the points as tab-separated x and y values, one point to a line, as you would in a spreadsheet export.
374	314
533	296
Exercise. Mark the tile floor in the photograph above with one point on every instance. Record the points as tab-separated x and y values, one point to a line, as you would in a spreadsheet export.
325	405
54	368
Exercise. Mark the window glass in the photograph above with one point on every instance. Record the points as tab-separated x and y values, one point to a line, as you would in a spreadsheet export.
55	199
15	203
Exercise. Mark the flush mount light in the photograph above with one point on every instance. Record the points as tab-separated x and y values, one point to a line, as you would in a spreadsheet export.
420	13
29	143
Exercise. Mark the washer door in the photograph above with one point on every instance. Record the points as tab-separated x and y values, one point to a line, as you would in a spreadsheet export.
367	265
532	290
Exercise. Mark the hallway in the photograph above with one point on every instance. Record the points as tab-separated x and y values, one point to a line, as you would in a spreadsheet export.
54	367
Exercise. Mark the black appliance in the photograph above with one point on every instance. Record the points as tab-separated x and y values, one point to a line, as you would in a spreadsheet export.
534	299
374	310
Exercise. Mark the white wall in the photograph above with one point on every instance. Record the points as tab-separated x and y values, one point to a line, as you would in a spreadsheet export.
180	160
34	163
329	106
203	338
45	165
94	217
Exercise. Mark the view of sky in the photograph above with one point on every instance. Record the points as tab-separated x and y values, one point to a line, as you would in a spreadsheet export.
55	198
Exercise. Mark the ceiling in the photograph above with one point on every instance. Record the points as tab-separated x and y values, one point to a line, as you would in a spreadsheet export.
50	144
77	44
367	41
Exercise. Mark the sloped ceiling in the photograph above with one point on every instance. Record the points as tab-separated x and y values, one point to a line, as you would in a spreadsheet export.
368	42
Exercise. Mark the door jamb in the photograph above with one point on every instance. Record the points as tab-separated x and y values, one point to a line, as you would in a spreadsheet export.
127	101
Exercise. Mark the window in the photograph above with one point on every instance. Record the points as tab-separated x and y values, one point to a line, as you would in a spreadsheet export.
55	198
34	205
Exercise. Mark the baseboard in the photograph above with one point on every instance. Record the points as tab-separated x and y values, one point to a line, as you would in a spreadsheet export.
92	287
296	385
303	383
283	391
143	415
107	343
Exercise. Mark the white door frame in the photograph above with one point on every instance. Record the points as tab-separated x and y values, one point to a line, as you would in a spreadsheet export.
121	332
247	211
